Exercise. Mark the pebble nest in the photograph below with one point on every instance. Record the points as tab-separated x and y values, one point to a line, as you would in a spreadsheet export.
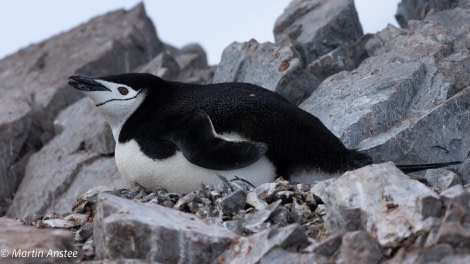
235	205
245	209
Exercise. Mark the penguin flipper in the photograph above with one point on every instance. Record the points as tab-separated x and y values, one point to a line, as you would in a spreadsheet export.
196	138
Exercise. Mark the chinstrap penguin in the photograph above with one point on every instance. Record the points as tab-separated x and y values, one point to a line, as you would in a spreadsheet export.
176	136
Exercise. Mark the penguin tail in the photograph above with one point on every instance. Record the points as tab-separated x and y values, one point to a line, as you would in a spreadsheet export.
357	159
420	167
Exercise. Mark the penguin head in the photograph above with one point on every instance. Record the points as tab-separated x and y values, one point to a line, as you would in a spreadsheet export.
117	96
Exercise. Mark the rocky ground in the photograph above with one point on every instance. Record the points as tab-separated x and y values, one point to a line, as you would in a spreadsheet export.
401	95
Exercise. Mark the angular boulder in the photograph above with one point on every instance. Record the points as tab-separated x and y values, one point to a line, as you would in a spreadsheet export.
276	245
319	25
27	244
380	199
127	229
412	85
34	88
419	9
278	67
74	161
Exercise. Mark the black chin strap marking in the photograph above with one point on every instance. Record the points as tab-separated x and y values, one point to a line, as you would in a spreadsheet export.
110	100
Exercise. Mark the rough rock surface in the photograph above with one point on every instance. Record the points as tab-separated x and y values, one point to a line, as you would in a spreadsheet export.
442	179
277	67
145	231
343	58
403	91
419	9
26	244
301	37
381	200
34	89
188	64
289	239
77	159
319	25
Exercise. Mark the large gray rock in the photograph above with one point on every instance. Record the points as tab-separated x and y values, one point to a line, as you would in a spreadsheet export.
419	9
377	95
164	65
74	161
191	59
278	67
343	58
403	91
319	25
276	245
188	64
441	179
26	244
127	229
380	199
359	247
304	32
33	81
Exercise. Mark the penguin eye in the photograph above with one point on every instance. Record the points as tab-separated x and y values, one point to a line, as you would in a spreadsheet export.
123	90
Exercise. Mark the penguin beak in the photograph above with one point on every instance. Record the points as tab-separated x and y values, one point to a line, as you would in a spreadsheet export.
86	83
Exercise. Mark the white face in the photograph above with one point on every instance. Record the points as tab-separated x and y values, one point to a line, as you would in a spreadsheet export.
116	105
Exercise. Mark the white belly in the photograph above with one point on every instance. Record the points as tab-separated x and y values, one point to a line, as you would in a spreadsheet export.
177	174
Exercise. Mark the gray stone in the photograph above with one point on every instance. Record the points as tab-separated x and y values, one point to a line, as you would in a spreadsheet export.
257	221
278	67
343	58
417	256
122	261
234	226
233	202
68	221
399	94
254	248
26	244
188	64
128	229
88	248
266	190
441	179
202	76
189	58
280	256
86	202
419	9
84	233
382	200
255	200
184	201
74	163
164	65
375	96
456	259
34	89
455	235
454	22
192	60
359	247
329	246
319	25
456	196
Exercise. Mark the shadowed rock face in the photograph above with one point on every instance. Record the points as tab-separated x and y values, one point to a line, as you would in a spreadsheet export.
404	103
34	91
401	95
419	9
319	25
306	31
